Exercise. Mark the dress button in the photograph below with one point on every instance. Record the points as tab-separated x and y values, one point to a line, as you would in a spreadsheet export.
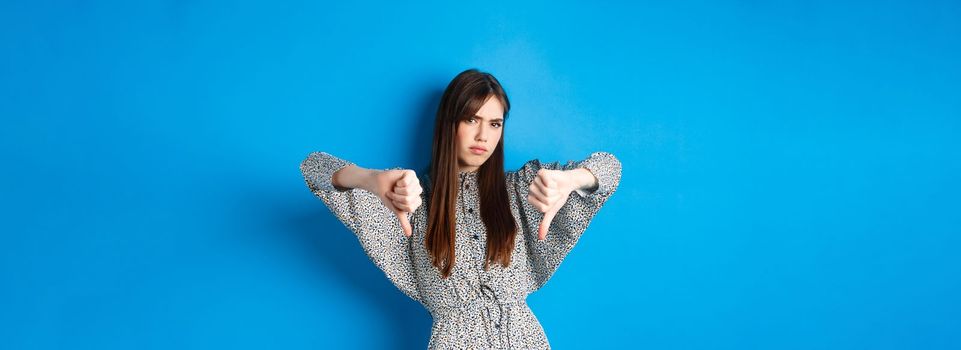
476	236
470	210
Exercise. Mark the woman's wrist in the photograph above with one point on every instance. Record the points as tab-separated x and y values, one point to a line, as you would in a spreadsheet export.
582	179
369	180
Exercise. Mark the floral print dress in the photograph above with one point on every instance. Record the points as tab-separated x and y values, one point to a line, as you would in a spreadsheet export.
473	308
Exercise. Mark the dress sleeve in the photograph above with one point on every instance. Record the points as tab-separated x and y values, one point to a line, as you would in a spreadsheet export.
573	217
375	225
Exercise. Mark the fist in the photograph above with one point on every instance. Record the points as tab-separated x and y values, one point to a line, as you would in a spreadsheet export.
548	193
400	191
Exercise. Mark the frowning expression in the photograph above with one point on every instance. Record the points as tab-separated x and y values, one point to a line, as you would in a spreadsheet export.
477	136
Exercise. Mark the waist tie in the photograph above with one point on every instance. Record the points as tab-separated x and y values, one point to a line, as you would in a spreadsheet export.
498	328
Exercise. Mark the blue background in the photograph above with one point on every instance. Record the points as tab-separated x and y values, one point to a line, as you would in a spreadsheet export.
790	169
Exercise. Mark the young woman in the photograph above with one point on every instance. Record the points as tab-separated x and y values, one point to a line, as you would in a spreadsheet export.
484	238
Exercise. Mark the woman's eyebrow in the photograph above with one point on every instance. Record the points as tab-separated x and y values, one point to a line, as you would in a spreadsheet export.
492	120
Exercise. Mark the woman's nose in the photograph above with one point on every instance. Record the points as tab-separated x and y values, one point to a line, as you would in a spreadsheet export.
482	134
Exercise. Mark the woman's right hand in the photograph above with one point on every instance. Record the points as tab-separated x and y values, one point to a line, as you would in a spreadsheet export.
400	191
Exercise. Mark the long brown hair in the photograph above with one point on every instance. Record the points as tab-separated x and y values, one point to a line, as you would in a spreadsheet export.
464	96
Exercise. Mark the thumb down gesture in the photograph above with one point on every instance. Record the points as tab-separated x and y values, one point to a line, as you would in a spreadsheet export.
400	191
548	193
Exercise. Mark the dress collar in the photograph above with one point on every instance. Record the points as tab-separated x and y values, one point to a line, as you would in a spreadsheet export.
467	175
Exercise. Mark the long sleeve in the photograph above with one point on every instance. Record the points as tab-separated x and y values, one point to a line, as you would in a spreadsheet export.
573	217
375	226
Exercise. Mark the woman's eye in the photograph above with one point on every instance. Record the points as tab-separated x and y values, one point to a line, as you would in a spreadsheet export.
496	125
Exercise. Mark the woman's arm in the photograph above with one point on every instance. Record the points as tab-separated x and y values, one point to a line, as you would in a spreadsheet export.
354	176
551	189
584	181
398	189
359	204
592	181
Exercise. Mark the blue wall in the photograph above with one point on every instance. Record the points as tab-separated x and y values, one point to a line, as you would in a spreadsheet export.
791	170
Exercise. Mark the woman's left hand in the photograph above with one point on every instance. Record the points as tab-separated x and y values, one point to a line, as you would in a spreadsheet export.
548	193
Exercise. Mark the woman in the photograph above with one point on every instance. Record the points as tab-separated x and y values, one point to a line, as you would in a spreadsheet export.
485	238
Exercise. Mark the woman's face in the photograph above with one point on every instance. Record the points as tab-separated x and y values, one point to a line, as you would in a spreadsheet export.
477	136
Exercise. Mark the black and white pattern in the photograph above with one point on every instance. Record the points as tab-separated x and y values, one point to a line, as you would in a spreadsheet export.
473	308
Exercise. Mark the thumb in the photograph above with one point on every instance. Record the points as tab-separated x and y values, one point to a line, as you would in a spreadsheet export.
546	224
404	223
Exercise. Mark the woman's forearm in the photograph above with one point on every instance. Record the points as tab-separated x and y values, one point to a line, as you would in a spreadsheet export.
583	179
353	176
